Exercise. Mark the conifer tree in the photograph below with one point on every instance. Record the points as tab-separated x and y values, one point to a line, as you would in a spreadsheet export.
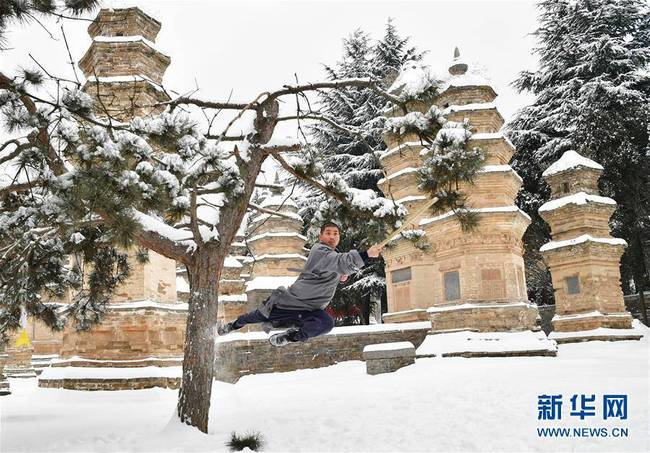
592	93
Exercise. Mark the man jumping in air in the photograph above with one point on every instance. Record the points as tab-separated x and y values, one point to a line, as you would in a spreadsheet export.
303	303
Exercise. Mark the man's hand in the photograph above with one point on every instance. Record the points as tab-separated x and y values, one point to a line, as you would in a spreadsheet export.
374	251
344	278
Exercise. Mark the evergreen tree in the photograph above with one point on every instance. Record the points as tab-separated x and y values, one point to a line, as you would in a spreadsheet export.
592	95
354	156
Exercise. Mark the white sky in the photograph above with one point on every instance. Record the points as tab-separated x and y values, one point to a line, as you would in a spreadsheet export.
255	46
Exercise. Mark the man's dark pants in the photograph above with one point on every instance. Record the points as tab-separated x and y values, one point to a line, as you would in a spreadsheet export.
310	323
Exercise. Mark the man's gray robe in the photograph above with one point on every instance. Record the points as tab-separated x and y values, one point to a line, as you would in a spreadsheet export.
316	284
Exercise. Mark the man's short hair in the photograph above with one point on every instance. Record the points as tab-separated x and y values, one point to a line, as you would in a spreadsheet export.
329	223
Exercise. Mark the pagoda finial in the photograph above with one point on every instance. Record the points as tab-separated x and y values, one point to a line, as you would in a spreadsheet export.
458	67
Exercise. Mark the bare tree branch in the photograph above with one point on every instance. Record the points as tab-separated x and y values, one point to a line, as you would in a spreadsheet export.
269	186
20	187
74	70
228	138
205	104
306	179
269	211
338	84
272	150
320	117
20	145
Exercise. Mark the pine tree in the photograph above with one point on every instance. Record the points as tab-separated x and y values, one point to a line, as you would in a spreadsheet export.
79	186
592	95
354	156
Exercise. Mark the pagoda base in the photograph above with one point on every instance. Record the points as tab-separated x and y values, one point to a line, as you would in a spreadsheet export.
19	372
4	383
485	317
591	320
635	332
40	362
19	363
468	343
4	387
78	373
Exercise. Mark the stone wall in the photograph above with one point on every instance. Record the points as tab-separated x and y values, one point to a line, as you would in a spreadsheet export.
253	354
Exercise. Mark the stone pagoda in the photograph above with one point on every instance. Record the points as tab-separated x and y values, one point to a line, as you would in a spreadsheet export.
583	258
123	67
144	325
465	281
276	245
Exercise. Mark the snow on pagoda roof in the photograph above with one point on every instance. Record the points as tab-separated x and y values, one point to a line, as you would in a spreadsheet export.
500	169
266	215
230	261
134	38
473	106
181	285
278	200
401	172
233	298
513	208
280	256
399	148
126	78
269	282
579	240
278	234
475	75
578	198
570	159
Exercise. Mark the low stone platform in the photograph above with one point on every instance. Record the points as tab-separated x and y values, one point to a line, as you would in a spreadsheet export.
484	317
601	334
107	378
42	361
388	357
468	343
241	354
591	320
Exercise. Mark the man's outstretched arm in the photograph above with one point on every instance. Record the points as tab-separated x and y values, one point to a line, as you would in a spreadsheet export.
347	263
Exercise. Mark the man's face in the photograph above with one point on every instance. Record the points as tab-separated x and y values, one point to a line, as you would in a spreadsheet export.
330	236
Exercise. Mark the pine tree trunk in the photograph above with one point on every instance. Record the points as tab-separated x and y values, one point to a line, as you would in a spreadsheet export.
198	362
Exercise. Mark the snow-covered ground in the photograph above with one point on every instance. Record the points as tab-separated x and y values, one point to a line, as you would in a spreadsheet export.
438	404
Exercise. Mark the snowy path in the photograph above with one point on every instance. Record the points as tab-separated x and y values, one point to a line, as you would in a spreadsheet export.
452	404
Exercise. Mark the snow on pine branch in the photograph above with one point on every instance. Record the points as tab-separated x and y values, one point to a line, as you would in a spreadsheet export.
419	122
414	81
356	199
